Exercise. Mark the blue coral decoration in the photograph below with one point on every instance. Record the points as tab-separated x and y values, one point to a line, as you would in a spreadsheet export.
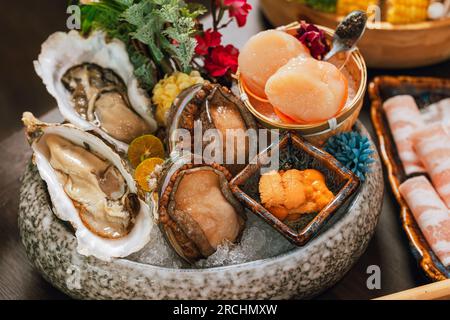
352	150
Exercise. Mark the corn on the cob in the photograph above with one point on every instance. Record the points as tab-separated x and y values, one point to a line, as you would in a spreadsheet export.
406	11
344	7
322	5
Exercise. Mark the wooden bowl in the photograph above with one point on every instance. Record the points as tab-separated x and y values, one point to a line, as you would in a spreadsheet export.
383	45
296	153
425	91
316	133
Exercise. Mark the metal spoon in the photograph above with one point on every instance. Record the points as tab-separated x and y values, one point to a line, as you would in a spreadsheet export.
348	33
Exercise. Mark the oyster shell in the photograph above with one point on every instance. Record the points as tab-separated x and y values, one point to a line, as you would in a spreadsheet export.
94	85
90	187
197	210
215	107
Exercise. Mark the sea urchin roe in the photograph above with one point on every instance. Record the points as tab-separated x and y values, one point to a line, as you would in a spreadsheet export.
294	189
288	194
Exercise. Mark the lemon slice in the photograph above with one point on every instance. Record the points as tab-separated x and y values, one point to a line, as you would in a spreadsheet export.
144	170
144	147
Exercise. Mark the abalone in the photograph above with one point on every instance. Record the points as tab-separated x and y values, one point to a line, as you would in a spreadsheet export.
211	106
197	210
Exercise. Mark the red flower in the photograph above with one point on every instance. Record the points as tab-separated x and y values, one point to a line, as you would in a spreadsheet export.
314	39
209	39
238	9
221	60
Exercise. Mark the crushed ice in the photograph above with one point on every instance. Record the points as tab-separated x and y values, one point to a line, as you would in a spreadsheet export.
259	241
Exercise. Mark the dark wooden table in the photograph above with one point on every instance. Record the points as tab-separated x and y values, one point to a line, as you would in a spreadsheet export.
24	27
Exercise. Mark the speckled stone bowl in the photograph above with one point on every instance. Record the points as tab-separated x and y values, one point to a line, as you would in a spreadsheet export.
300	273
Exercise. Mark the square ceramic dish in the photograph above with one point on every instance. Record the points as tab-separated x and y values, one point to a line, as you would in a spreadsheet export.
295	153
425	91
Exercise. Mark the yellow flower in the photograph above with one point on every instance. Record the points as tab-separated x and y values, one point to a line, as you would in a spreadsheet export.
167	89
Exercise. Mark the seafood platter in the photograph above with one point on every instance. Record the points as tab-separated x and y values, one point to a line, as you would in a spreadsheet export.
188	169
411	118
418	29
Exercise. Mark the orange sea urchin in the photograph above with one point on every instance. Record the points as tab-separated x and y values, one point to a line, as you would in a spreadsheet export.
288	194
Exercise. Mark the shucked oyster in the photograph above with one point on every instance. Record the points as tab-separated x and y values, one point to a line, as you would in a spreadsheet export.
93	82
90	187
214	107
197	210
99	96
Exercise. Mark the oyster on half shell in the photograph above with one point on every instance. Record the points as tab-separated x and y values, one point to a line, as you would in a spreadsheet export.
93	82
197	210
90	187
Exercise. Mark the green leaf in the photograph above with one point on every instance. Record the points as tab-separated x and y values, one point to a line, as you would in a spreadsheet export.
135	14
126	3
146	73
165	27
146	35
169	12
184	52
193	10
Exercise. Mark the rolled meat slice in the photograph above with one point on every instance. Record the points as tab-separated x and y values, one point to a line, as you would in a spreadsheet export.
432	145
430	213
438	112
404	119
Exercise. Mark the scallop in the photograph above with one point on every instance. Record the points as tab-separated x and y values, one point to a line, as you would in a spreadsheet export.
93	82
307	90
264	54
90	187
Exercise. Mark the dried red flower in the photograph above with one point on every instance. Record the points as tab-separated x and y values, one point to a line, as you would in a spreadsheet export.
313	38
209	39
222	59
238	9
